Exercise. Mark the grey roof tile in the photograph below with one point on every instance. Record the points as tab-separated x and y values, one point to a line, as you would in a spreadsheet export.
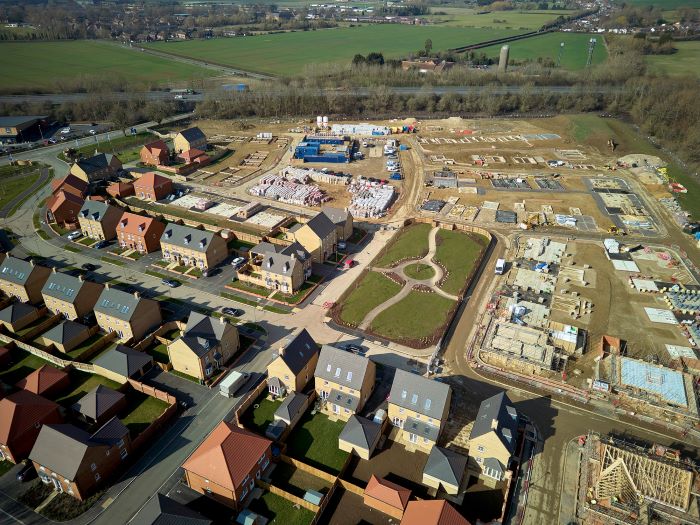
65	332
123	360
361	432
500	409
187	237
446	465
299	350
420	394
342	367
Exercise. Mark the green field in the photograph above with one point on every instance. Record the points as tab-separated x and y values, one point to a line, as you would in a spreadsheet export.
461	17
419	315
458	253
288	53
686	61
372	291
663	4
411	242
47	65
547	45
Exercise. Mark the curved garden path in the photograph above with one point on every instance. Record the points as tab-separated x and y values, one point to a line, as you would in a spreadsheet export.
411	282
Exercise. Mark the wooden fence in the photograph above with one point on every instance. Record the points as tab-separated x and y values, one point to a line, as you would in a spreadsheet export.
308	468
248	401
147	436
41	327
288	496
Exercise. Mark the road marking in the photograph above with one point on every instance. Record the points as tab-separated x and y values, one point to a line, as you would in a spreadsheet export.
12	517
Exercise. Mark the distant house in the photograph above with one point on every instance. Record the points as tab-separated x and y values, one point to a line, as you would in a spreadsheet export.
139	233
45	381
386	497
194	156
99	405
120	190
161	510
76	462
22	415
130	315
70	184
342	220
63	208
227	464
155	154
205	345
189	246
66	336
419	407
152	187
445	469
98	167
280	268
98	220
493	439
22	279
191	138
294	365
72	297
17	316
19	128
121	363
360	436
427	66
317	236
432	512
344	381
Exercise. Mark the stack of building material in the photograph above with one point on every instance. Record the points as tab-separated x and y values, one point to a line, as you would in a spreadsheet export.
370	200
303	175
279	188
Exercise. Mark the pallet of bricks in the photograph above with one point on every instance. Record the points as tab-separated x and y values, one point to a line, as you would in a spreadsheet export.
279	188
303	174
370	200
255	159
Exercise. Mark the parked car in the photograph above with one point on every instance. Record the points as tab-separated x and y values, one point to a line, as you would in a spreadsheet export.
172	283
89	267
52	141
355	349
28	472
74	235
237	262
347	264
65	130
101	245
235	312
93	132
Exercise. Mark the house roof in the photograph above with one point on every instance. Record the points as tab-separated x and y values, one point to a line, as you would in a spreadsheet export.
343	399
361	432
21	411
61	198
42	379
296	249
321	225
432	512
341	366
419	394
151	179
98	402
64	287
15	312
95	163
500	409
123	360
11	122
298	350
156	146
336	215
388	492
191	154
187	237
64	332
191	134
117	303
422	428
69	180
445	465
120	188
95	210
291	406
203	333
227	455
161	510
135	224
15	270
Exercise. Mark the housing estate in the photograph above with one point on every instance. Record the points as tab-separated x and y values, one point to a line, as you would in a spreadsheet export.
342	220
98	167
70	184
139	233
432	512
72	297
189	246
121	363
445	469
191	138
360	436
155	154
317	236
22	279
283	268
65	336
63	208
45	381
130	315
99	405
16	316
294	365
152	187
98	220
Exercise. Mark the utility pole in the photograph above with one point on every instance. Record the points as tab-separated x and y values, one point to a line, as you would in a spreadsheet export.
561	52
591	46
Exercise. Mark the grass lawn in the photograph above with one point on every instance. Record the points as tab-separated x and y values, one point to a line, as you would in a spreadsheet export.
65	507
250	288
78	351
71	248
419	271
297	481
141	411
87	241
24	364
8	170
547	45
458	252
112	260
37	492
459	16
185	376
82	383
280	511
411	242
161	276
5	466
115	145
257	419
373	290
686	61
315	441
288	53
159	353
415	317
12	188
41	65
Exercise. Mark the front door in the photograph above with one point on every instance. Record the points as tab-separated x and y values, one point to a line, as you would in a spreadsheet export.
336	409
57	485
412	438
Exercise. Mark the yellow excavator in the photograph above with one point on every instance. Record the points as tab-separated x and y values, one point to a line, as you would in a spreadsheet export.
616	231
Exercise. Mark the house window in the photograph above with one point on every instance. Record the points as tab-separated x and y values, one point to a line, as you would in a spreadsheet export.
480	448
349	376
93	467
123	453
243	494
97	476
346	411
337	372
479	460
120	443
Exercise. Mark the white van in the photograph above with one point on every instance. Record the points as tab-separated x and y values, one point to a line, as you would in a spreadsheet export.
65	131
500	266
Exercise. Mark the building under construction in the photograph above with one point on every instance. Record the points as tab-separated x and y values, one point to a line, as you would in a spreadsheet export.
621	482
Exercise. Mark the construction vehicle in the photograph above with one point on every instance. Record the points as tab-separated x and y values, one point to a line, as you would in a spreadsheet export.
616	231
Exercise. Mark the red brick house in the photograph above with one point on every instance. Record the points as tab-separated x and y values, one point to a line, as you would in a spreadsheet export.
63	207
155	154
121	189
194	156
152	187
139	233
71	184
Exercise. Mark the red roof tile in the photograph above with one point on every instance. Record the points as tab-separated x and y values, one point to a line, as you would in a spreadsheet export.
150	180
432	512
42	379
388	492
21	411
130	222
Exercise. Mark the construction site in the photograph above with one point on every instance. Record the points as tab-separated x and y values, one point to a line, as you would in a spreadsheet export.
621	482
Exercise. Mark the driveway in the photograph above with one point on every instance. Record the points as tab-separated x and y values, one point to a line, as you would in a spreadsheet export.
183	389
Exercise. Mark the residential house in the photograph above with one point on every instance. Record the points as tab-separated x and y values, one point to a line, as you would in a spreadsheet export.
69	296
342	220
493	439
194	156
191	138
121	363
189	246
161	510
98	167
99	405
360	436
205	345
445	469
77	462
227	464
317	236
155	154
98	220
66	336
282	268
120	190
152	187
130	315
63	208
45	381
22	415
22	279
427	65
70	184
419	408
139	233
18	315
432	512
344	381
294	365
386	497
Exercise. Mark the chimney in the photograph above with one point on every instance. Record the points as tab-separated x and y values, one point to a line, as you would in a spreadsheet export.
222	320
80	278
31	261
106	286
53	269
494	424
137	295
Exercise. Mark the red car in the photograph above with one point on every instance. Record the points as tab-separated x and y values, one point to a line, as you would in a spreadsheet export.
348	263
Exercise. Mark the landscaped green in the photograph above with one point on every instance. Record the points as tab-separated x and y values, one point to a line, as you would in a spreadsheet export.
416	317
87	241
12	188
458	253
72	248
315	441
142	410
9	170
245	286
411	242
547	46
112	260
24	364
257	419
65	507
159	352
685	61
113	145
288	53
82	383
459	16
43	65
373	289
419	271
280	511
